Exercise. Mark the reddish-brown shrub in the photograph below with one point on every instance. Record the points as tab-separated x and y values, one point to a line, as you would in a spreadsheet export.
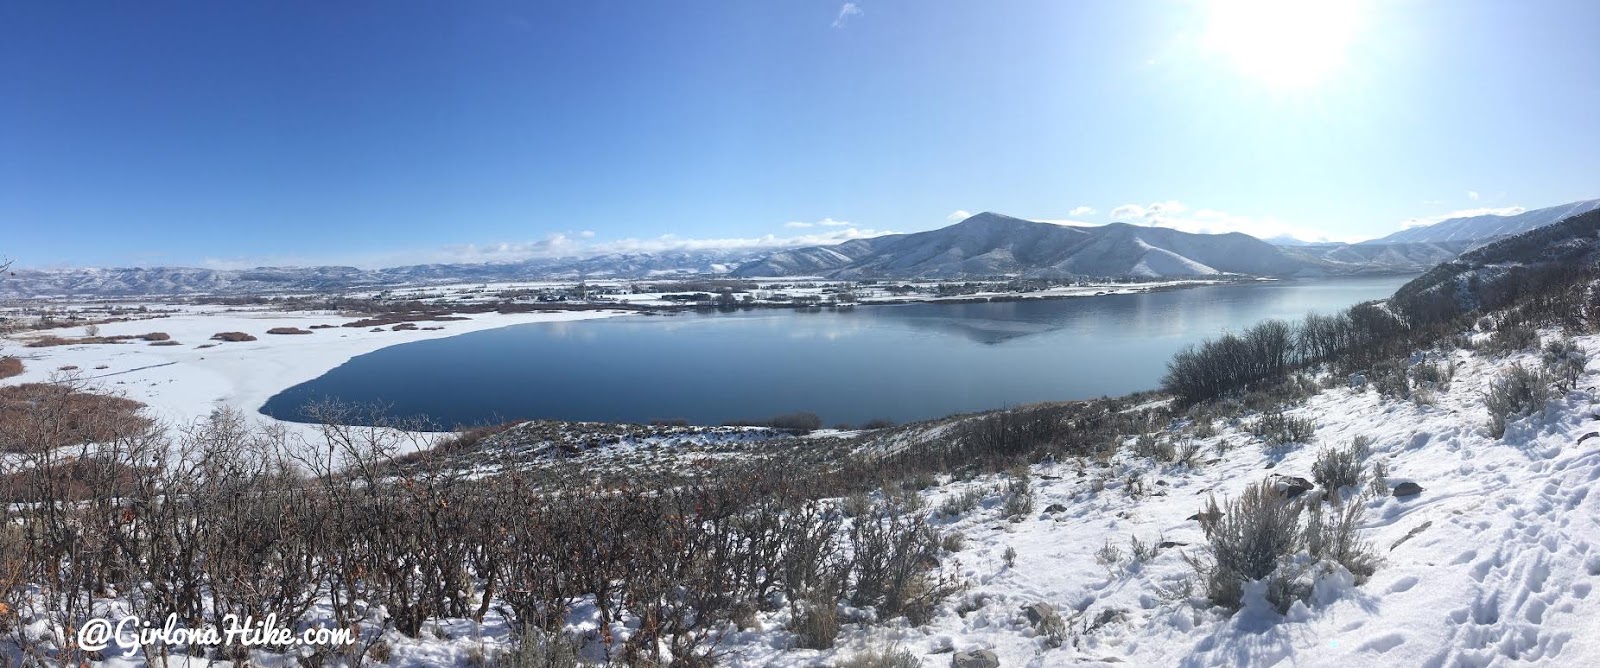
232	336
157	336
288	330
10	366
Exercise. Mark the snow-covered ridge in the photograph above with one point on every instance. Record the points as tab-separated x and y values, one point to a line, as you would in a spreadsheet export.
1488	226
991	244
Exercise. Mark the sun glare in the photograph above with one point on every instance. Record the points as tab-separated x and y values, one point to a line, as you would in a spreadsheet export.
1284	43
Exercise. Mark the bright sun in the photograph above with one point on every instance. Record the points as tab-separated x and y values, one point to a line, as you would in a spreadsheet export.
1284	43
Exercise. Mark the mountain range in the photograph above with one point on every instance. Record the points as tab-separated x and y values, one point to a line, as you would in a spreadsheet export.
984	245
1488	226
991	244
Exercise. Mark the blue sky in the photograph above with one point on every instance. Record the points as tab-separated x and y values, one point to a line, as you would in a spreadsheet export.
243	133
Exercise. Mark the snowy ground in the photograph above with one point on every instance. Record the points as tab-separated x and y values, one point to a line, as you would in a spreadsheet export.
186	381
1500	568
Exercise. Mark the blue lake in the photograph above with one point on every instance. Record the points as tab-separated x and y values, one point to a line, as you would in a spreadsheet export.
902	362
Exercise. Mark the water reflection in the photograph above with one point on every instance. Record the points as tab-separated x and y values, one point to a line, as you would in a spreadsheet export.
902	362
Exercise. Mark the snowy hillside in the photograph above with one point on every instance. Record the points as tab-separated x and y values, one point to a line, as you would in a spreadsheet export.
991	244
1489	226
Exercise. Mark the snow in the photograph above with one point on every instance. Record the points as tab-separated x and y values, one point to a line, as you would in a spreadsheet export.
183	382
1500	566
1495	562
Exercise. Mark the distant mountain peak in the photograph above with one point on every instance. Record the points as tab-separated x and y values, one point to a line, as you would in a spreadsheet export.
1485	227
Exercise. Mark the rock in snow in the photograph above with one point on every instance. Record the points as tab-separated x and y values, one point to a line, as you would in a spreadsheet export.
977	659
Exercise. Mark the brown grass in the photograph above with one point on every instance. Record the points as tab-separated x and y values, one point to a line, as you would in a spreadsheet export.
50	341
232	336
288	330
70	417
74	480
165	343
10	366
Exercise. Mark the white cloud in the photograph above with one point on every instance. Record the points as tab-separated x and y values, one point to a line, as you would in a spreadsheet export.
1082	211
1177	215
958	215
1463	213
1472	195
825	222
846	11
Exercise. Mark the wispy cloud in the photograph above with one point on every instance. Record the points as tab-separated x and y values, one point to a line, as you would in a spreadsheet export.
825	222
1178	216
1462	213
958	215
1082	211
846	11
1472	195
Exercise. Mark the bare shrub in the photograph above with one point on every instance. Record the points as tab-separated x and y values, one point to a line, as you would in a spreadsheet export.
1337	468
816	624
1566	361
1390	380
10	366
235	337
1277	429
537	648
957	505
288	330
1257	536
1510	338
1378	486
1019	498
156	336
1516	393
1333	535
892	657
1255	532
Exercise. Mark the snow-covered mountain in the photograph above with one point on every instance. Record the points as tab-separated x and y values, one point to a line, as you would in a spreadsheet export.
132	281
1489	226
1501	270
990	244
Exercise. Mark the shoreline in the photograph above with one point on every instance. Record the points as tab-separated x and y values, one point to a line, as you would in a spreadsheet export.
182	383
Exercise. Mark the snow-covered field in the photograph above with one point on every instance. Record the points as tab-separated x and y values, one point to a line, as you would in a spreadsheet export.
1499	569
183	382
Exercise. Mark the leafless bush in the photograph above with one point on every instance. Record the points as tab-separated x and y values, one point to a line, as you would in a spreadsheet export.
1510	338
10	366
1566	361
1277	429
892	657
1258	533
537	648
1019	497
1516	393
232	336
1255	532
1337	468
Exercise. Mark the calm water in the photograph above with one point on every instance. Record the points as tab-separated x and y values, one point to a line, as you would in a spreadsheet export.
905	362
